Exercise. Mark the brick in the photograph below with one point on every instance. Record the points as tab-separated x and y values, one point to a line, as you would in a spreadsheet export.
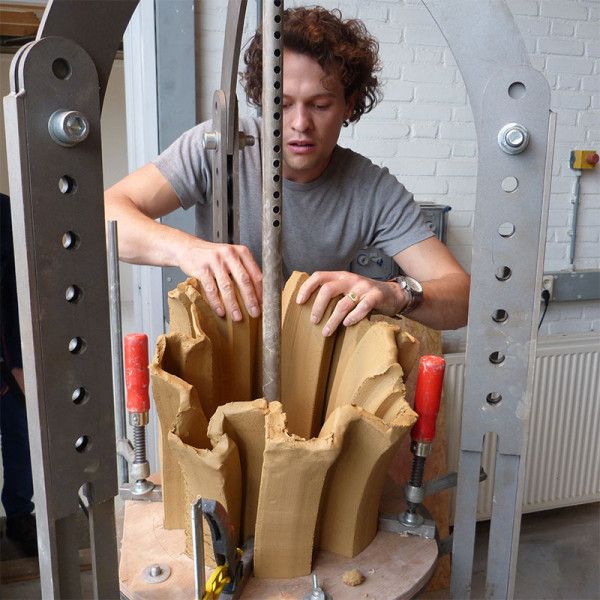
460	218
371	149
385	131
465	149
589	117
449	58
566	81
394	89
558	218
566	117
592	48
567	133
588	235
533	25
530	45
385	32
383	111
538	62
464	114
570	100
425	55
563	10
459	236
426	36
573	65
523	7
392	57
373	12
561	185
587	30
411	15
429	74
590	83
457	167
562	28
457	131
462	185
449	94
461	202
411	166
421	148
423	130
424	112
424	184
549	45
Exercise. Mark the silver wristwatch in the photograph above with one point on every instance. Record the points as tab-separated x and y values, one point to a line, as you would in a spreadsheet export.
414	291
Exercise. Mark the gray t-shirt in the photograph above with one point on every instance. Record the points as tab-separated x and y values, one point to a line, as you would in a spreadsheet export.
354	204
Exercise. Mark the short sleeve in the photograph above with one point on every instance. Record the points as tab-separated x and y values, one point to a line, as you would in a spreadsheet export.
395	219
185	165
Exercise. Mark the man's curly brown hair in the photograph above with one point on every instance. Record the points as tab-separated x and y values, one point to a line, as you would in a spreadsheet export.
343	48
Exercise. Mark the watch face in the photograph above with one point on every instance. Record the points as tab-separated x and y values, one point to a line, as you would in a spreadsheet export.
413	284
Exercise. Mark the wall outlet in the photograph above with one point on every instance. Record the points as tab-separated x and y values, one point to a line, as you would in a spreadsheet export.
548	283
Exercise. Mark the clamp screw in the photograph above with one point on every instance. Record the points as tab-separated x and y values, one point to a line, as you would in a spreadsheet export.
210	141
68	127
246	140
513	138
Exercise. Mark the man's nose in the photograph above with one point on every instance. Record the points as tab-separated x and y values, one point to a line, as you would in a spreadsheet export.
300	119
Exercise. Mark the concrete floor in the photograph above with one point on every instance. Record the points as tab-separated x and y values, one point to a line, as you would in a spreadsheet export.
559	558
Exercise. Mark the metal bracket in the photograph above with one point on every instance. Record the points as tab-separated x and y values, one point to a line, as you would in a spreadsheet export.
52	120
508	98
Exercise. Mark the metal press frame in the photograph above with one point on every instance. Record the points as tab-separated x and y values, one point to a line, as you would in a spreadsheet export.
58	222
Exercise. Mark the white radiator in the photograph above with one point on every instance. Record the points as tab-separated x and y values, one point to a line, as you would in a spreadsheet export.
563	454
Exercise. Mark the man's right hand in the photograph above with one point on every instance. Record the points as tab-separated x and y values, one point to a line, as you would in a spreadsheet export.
220	268
145	195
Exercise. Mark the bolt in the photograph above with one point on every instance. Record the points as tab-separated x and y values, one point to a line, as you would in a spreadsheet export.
155	570
210	141
513	138
246	140
68	127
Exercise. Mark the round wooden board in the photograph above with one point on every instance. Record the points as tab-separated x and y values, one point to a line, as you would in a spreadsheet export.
395	567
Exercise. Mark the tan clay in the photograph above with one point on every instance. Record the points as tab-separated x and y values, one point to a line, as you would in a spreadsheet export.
305	359
171	369
355	482
292	480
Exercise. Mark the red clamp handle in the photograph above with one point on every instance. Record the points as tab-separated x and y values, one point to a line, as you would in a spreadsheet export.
136	372
428	395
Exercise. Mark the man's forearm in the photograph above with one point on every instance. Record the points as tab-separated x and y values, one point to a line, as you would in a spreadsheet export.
142	240
445	302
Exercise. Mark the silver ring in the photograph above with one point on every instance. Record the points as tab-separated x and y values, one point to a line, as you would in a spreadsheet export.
352	296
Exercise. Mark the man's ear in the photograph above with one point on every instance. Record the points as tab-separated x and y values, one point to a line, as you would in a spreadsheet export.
350	107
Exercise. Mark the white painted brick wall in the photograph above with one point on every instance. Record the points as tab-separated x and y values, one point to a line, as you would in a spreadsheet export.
423	131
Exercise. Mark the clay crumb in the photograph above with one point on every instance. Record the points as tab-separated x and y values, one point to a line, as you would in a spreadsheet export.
353	577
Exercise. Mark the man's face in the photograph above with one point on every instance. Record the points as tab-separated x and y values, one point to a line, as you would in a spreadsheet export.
312	117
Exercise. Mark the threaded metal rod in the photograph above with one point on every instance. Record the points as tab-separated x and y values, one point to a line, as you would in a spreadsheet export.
272	94
139	444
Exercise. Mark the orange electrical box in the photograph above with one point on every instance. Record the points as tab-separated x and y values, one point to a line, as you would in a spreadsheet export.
584	159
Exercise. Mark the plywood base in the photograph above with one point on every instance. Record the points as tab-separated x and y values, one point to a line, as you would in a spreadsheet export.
395	567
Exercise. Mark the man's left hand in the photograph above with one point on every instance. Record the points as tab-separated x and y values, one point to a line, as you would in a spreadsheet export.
361	295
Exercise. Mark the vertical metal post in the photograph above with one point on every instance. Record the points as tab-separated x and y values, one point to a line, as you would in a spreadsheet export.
198	546
272	102
116	341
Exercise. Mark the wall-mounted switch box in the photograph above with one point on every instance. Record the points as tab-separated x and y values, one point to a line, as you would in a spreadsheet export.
584	159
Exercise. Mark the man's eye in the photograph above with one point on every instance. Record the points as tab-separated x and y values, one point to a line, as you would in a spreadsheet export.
321	106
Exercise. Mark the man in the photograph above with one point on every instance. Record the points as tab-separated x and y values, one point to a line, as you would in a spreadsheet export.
17	491
335	201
